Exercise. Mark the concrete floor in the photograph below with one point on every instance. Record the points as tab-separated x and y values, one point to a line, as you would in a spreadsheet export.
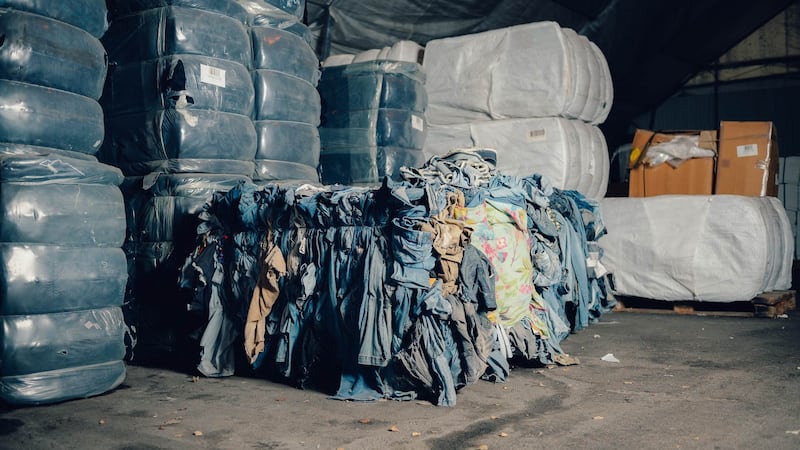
681	382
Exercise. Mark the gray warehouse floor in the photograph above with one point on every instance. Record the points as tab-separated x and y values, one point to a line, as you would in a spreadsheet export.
681	382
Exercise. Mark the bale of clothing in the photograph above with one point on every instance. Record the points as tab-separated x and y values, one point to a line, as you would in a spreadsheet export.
413	289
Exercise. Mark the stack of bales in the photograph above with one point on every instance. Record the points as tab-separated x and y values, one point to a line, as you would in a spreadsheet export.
62	269
179	104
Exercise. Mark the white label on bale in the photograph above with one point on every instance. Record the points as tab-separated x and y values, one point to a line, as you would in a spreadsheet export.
417	123
212	75
743	151
537	135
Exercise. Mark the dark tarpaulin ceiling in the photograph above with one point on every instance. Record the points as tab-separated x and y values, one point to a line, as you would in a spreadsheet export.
653	47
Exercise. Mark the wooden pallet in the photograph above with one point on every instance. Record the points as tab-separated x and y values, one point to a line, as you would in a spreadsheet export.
768	304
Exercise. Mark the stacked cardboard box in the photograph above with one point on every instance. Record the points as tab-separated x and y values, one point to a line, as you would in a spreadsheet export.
746	162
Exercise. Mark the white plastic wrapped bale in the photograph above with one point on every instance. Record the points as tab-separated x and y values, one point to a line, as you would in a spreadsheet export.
571	153
530	70
720	248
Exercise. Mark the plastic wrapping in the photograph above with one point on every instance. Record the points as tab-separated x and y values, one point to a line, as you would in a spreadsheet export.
259	8
285	52
374	85
46	117
231	8
176	31
288	141
571	153
47	52
36	279
719	248
161	201
676	151
7	149
477	77
177	140
366	165
43	342
388	128
62	385
268	16
51	168
89	15
279	96
193	165
180	82
272	170
175	200
62	214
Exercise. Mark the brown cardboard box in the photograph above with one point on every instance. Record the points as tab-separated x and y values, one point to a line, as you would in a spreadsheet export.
748	159
694	176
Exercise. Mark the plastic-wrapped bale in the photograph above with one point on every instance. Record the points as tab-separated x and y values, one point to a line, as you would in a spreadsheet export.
89	15
47	52
286	51
231	8
63	278
177	30
373	120
571	153
180	140
478	76
353	156
720	248
287	104
179	82
179	97
47	117
163	217
287	151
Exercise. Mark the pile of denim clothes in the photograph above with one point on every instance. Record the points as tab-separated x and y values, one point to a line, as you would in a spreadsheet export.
414	289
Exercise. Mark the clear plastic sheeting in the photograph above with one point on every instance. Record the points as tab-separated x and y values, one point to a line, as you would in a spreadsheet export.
261	8
280	96
175	31
571	153
63	384
49	278
530	70
89	15
179	82
284	51
46	117
54	168
47	52
8	149
44	342
720	248
231	8
177	140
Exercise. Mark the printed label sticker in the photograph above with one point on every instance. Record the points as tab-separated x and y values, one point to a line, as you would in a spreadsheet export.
212	75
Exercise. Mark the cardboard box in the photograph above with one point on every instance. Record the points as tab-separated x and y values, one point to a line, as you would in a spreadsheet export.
693	176
748	159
